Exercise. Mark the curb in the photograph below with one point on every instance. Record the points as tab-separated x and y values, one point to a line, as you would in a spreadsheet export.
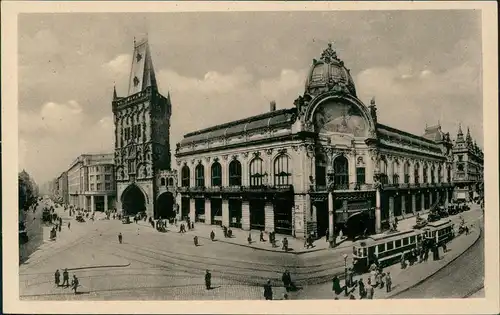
100	266
439	269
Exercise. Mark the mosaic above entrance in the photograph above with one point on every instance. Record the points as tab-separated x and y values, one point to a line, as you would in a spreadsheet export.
337	117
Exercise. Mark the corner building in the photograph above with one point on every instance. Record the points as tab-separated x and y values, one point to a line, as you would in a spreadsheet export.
142	146
325	164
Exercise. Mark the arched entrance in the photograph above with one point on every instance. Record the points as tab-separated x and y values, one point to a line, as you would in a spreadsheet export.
133	200
165	206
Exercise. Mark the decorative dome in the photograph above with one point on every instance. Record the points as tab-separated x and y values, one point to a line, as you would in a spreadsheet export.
329	74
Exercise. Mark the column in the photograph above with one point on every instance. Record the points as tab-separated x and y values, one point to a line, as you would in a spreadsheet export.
192	210
269	217
437	196
178	204
391	209
105	203
413	203
92	203
378	216
430	199
331	223
245	215
301	210
208	211
422	199
446	202
225	212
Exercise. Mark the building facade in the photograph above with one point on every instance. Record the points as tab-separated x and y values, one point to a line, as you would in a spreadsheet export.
62	188
326	164
91	182
142	146
468	167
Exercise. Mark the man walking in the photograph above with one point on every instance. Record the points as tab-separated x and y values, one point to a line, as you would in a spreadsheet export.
208	280
120	237
268	290
57	278
75	283
65	278
69	225
388	282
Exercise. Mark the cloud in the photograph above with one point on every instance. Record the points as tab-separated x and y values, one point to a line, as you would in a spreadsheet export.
120	65
53	117
289	80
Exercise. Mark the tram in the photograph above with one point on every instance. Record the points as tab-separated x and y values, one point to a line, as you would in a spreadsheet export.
386	249
439	232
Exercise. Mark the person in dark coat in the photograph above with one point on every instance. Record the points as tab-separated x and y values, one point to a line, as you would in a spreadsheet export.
120	238
388	282
75	283
212	236
286	280
65	278
261	238
268	290
208	280
362	291
69	225
57	278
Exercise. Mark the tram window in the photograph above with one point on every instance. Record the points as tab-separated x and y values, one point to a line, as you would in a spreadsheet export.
405	241
412	239
398	243
390	245
381	248
364	252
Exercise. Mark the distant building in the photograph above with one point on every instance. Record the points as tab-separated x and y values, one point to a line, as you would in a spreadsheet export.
91	182
145	182
62	188
325	164
468	167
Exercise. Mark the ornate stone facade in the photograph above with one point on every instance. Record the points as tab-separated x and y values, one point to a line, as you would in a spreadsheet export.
325	164
142	133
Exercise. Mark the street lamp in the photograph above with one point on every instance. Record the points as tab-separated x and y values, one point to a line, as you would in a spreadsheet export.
345	274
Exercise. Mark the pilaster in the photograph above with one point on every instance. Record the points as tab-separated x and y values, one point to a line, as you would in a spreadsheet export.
269	217
245	215
208	211
225	212
413	203
192	209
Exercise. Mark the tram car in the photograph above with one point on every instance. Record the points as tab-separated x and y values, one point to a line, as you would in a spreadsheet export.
46	215
385	249
439	232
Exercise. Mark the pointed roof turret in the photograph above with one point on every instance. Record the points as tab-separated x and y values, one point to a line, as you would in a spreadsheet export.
142	74
468	138
115	96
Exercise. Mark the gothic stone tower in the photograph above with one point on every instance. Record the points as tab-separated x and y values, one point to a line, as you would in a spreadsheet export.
142	133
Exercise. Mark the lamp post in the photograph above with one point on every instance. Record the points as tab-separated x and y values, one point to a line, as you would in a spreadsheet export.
331	210
345	274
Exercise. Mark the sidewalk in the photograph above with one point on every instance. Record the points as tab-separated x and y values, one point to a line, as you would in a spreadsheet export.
402	279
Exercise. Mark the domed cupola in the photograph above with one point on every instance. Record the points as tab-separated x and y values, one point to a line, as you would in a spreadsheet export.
329	74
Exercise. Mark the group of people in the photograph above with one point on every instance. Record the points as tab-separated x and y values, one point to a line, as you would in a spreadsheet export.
377	279
65	283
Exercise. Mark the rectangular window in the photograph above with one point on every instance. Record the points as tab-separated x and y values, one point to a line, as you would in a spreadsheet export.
107	178
390	245
381	248
91	178
99	186
108	186
92	187
398	243
360	175
98	178
405	241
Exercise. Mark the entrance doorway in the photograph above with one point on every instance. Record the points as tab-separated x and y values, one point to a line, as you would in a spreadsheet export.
133	200
321	218
283	216
234	213
184	207
257	214
216	211
164	207
99	203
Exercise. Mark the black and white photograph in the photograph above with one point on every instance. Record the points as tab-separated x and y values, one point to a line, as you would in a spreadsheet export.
240	154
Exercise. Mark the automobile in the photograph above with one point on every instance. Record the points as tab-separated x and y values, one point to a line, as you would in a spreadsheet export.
126	220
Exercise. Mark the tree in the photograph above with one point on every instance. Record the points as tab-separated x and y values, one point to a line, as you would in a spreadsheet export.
28	190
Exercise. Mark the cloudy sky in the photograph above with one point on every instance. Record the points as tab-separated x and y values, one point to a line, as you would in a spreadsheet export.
422	66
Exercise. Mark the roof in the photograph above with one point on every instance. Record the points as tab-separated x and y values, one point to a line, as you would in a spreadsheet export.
394	133
282	117
434	133
142	74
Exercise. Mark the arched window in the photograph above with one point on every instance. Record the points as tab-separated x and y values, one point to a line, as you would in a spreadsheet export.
424	177
281	171
395	172
235	173
216	174
256	174
433	171
171	181
341	171
199	176
162	181
185	176
384	178
407	172
416	173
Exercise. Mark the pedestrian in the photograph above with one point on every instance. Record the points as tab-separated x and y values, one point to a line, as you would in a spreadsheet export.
388	282
69	225
65	278
285	296
195	239
351	297
286	280
57	278
369	289
268	290
362	291
208	280
262	236
120	237
192	225
59	227
212	235
336	285
327	233
403	261
285	244
75	283
249	239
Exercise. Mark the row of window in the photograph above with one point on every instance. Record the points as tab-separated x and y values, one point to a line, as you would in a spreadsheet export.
98	178
133	132
101	168
99	186
258	177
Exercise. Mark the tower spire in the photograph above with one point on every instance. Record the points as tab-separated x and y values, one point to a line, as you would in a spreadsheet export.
115	96
142	74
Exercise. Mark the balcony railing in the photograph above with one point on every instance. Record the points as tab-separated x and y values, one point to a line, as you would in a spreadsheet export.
236	189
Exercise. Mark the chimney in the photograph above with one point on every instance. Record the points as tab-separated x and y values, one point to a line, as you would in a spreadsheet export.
272	106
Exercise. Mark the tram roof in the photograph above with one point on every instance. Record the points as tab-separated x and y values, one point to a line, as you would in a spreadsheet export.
384	238
438	223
